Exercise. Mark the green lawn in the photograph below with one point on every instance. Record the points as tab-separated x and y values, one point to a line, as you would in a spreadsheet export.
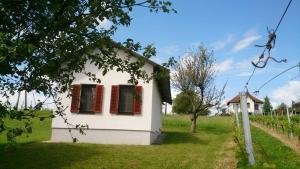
271	153
41	130
180	149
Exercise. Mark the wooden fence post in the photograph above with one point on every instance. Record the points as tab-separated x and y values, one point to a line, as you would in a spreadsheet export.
246	126
288	115
289	120
272	114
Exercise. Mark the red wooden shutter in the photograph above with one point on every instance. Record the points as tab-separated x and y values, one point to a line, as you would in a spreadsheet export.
137	101
114	99
98	100
75	98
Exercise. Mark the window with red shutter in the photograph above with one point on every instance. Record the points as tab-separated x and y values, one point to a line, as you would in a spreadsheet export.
126	95
126	100
75	98
137	101
87	98
114	100
98	100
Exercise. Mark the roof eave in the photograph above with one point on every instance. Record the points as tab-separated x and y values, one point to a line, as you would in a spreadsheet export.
163	83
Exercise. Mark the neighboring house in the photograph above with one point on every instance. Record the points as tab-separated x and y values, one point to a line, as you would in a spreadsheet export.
254	104
167	109
296	107
115	111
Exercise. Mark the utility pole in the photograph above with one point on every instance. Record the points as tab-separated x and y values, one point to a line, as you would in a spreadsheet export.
166	108
237	115
18	99
246	126
25	99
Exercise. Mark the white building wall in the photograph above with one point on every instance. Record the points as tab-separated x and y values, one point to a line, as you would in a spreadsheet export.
105	120
156	109
169	109
104	136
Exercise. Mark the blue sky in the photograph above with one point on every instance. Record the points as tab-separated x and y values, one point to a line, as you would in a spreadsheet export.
231	28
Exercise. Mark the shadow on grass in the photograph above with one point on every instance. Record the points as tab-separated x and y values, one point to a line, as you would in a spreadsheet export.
176	137
45	155
215	129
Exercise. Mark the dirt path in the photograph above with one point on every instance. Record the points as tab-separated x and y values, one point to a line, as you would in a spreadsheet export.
292	143
228	160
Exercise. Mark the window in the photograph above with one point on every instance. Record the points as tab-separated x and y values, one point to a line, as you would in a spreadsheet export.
126	99
255	106
87	98
248	105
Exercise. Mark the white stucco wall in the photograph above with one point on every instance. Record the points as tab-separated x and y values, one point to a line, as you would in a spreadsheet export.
104	136
156	109
105	120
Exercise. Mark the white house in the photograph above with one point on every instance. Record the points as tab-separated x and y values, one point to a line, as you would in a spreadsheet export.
254	104
115	111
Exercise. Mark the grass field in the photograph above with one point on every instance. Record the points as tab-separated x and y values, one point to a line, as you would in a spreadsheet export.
180	149
41	130
270	153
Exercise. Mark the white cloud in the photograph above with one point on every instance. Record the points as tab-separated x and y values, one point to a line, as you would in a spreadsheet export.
246	63
248	38
218	45
286	93
244	74
225	65
247	73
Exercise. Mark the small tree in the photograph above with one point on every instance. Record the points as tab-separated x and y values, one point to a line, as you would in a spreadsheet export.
182	104
194	76
267	107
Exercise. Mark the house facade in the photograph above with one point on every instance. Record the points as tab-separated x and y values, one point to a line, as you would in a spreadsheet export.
254	104
115	111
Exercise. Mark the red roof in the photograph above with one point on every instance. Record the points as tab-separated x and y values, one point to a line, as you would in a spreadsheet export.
236	99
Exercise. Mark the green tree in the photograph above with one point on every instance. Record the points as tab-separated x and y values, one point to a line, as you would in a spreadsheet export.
43	43
182	104
267	107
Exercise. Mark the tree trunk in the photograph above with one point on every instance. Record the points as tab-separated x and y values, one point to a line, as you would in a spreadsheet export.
194	123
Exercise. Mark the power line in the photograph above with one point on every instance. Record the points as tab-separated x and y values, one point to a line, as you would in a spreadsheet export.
286	70
295	77
250	77
269	46
283	15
